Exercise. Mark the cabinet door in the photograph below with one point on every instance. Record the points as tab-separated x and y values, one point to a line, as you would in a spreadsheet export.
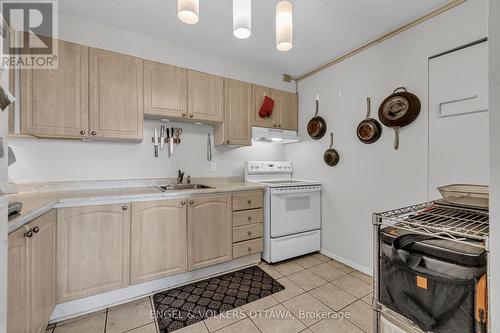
116	95
17	316
164	90
93	250
209	231
237	121
287	110
258	94
205	97
54	102
159	241
41	261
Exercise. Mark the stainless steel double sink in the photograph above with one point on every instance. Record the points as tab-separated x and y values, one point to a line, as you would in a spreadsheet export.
178	187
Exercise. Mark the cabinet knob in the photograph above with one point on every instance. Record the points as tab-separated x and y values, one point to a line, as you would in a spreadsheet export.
36	229
249	233
249	202
249	249
279	125
93	133
228	141
29	233
191	202
124	207
184	114
183	203
83	132
191	115
249	218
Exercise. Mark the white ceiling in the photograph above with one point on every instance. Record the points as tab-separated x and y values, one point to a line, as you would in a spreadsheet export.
323	29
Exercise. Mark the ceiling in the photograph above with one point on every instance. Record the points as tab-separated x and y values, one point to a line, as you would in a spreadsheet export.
323	29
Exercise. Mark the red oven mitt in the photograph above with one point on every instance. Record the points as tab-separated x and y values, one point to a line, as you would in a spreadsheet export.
266	110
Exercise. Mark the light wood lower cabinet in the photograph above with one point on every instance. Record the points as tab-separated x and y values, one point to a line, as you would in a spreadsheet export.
93	250
158	239
209	231
32	275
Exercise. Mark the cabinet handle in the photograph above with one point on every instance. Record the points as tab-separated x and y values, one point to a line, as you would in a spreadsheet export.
191	202
249	202
191	115
249	233
183	203
82	132
124	207
184	114
249	249
249	218
36	229
93	133
29	233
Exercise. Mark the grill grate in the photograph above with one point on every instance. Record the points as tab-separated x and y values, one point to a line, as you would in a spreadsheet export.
440	221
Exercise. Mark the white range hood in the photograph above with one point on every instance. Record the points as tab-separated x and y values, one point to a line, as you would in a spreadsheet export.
274	135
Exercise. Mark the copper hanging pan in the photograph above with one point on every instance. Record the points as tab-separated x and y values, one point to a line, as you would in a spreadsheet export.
369	130
316	128
331	156
399	110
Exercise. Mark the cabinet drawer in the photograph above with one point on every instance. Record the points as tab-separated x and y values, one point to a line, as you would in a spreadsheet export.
247	200
246	217
246	248
247	232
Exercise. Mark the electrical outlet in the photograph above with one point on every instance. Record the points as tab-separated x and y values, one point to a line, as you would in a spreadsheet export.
213	166
340	93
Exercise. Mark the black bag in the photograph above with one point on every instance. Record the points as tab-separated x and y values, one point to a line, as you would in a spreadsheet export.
434	301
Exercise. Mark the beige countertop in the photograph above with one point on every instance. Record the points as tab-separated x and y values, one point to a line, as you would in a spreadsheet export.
36	204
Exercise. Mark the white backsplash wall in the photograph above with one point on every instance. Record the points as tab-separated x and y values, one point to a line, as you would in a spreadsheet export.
42	160
373	178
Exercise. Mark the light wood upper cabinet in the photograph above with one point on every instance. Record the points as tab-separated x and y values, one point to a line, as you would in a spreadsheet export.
258	95
209	231
32	275
93	250
116	95
54	102
205	97
237	127
284	114
287	110
159	239
164	90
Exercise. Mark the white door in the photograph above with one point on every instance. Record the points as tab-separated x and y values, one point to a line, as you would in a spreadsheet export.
294	211
458	118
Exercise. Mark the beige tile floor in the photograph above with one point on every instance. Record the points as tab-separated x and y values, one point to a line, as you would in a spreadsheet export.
313	284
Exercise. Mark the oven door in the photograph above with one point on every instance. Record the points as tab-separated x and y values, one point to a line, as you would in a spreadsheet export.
295	209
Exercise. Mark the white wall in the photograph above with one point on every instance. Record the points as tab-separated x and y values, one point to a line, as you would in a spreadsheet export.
494	60
53	160
371	178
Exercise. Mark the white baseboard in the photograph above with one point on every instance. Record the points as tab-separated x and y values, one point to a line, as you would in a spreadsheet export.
94	303
347	262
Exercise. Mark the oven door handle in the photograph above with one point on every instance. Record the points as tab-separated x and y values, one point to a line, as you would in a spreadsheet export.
294	193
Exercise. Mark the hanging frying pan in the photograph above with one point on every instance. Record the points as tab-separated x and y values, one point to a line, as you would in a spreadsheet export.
317	125
369	130
399	110
331	156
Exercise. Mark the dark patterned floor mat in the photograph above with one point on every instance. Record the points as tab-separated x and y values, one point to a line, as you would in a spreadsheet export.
184	306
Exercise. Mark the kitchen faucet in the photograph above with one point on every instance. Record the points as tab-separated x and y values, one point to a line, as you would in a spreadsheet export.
180	176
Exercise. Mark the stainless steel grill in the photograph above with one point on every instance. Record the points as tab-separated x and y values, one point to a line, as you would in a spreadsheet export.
437	220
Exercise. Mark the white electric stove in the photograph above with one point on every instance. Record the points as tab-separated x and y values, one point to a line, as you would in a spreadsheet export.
292	210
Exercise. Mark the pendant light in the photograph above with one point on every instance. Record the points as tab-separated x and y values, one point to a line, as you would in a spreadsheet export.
188	11
284	26
242	18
